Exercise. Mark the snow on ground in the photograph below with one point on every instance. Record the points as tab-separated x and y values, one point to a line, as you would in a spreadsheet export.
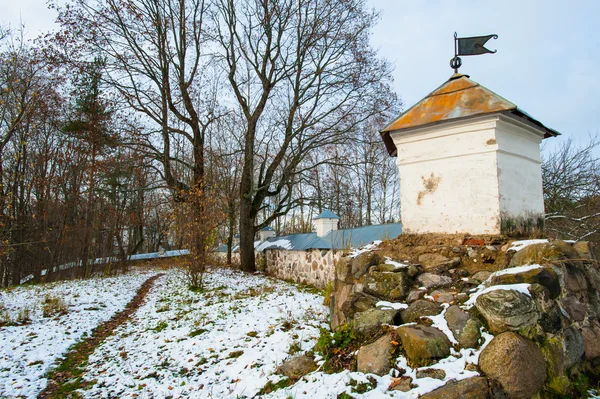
397	265
28	351
367	248
519	245
222	343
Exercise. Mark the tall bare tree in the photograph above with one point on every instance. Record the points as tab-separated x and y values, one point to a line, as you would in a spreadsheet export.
304	76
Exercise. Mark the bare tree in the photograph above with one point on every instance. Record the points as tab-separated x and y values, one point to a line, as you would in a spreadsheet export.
304	76
155	60
571	177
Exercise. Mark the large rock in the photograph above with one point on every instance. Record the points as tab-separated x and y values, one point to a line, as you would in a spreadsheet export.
390	286
415	295
368	323
297	367
480	277
574	308
357	302
538	253
573	346
574	278
464	327
343	270
542	275
591	341
437	262
470	388
423	344
507	310
375	357
341	295
516	363
362	263
431	280
419	308
584	249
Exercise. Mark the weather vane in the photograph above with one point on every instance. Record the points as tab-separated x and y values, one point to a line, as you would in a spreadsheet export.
469	46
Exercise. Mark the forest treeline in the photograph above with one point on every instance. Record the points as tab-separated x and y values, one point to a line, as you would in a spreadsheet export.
142	125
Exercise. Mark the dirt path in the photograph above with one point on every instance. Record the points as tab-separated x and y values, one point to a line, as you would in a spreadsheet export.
66	378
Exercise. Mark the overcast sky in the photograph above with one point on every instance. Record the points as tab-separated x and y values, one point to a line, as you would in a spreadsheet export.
547	63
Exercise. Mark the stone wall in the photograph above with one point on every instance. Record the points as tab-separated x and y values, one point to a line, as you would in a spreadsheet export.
314	267
531	311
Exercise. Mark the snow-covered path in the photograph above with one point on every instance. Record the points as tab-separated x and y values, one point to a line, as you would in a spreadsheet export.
28	351
223	343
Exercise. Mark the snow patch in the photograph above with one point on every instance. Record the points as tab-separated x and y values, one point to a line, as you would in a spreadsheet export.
519	245
517	270
521	287
385	305
367	248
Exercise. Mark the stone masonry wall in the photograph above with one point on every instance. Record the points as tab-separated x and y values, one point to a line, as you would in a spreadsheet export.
314	267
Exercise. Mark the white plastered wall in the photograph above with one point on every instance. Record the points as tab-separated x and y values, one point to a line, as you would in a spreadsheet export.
325	225
465	176
519	169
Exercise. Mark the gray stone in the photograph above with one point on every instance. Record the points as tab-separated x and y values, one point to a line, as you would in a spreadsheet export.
415	295
431	373
421	307
507	310
402	384
464	327
441	296
343	270
575	309
357	302
480	277
430	280
470	388
591	341
423	343
544	276
413	271
297	367
574	346
574	279
362	263
516	363
368	323
375	357
438	263
390	286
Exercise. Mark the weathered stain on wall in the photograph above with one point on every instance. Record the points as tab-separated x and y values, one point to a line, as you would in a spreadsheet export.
315	267
430	184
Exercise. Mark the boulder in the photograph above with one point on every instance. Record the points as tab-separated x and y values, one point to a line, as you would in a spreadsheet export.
592	275
465	328
375	357
441	296
362	263
591	341
507	310
573	346
415	295
431	373
538	253
584	249
516	363
575	280
389	286
470	388
368	323
437	262
297	367
575	309
480	277
341	295
357	302
543	275
430	280
419	308
413	270
343	270
423	344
